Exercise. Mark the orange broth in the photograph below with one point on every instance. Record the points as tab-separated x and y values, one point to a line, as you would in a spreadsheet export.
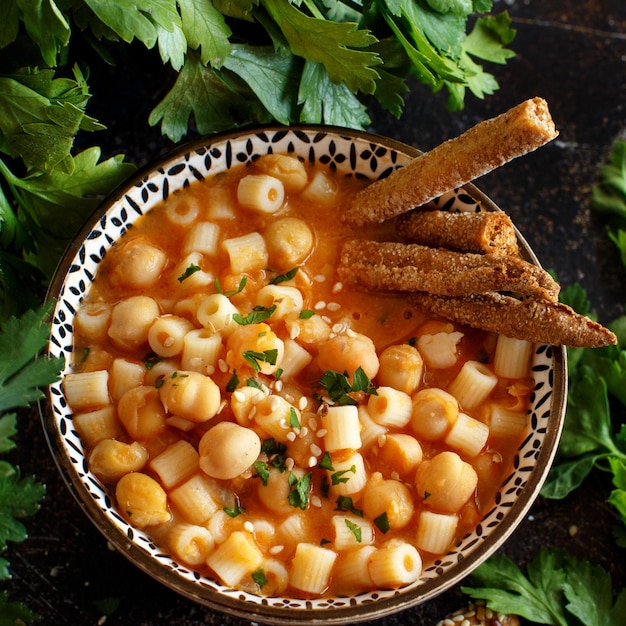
385	319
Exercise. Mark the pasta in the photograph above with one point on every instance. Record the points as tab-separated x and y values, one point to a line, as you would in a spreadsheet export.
269	425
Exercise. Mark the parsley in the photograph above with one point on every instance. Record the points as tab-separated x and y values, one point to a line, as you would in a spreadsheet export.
382	523
257	315
589	441
235	511
344	503
259	577
338	478
232	384
22	375
326	462
262	471
299	490
294	422
191	269
282	278
355	529
306	314
230	294
339	387
558	590
255	358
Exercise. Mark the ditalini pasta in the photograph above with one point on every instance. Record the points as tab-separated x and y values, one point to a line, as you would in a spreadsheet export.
266	425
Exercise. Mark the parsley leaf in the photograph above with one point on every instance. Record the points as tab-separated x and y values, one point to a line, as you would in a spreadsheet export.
22	374
557	587
299	490
339	387
257	315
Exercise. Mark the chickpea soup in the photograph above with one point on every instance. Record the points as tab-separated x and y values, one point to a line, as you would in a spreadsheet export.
268	426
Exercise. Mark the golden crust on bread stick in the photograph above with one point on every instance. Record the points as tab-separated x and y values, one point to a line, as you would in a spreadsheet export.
392	266
532	319
482	232
455	162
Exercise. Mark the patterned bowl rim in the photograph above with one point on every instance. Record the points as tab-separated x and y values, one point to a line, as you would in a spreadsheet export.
514	499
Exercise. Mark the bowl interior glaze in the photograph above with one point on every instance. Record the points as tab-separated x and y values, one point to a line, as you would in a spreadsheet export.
351	154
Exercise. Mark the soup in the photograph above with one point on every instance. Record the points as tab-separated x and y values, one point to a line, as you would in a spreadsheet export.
269	426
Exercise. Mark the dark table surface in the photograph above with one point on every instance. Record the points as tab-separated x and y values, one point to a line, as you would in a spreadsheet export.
570	52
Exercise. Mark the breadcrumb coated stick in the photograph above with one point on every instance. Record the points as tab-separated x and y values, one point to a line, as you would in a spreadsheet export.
393	266
455	162
481	232
536	320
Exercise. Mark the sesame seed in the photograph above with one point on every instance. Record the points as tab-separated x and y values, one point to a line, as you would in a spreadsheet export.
278	385
303	402
290	398
316	502
291	436
312	423
319	278
274	402
289	463
209	370
283	423
312	461
249	526
223	366
304	431
337	287
333	306
321	432
315	449
320	305
276	549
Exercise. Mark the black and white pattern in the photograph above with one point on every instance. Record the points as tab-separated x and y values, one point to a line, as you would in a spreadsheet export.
350	154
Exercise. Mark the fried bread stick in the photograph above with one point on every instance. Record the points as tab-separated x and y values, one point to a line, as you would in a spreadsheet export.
455	162
393	266
482	232
534	320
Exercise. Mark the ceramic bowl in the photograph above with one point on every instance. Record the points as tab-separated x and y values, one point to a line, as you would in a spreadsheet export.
351	153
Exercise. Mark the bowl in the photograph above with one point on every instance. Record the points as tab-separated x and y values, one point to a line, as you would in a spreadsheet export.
353	154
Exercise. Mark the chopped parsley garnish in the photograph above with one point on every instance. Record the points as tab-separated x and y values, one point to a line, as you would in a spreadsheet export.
151	360
326	462
276	453
252	382
231	293
344	503
232	384
339	387
284	277
382	523
294	422
234	512
191	269
299	490
355	529
256	358
306	314
262	471
259	577
338	478
257	315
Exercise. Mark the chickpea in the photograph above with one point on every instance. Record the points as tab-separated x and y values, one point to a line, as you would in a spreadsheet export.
227	450
348	352
141	412
388	496
142	500
401	367
131	320
111	459
401	453
446	482
190	395
289	242
138	264
286	168
434	413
